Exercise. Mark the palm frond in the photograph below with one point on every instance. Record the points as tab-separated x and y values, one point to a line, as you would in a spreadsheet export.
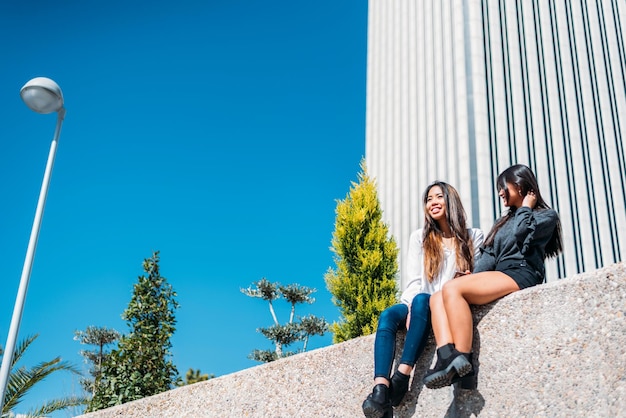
13	394
58	405
21	348
21	381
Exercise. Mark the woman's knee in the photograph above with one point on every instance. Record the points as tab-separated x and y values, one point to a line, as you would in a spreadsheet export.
384	319
452	289
421	301
435	300
420	307
391	317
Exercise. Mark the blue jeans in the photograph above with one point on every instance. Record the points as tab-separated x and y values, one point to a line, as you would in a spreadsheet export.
393	319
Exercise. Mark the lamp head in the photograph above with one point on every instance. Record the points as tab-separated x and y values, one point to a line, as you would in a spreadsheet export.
42	95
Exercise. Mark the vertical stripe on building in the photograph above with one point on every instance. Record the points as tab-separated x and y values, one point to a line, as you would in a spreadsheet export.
458	90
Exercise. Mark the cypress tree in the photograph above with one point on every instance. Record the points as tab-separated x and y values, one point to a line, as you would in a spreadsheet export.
363	283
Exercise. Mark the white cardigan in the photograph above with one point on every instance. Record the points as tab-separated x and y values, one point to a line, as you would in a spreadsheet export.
414	271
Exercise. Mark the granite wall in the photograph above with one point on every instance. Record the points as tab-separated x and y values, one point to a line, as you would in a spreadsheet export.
555	350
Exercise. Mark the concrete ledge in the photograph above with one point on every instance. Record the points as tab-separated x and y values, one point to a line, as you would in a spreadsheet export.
555	350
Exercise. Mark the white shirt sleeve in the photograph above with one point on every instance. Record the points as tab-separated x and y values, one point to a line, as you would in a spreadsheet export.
478	238
414	270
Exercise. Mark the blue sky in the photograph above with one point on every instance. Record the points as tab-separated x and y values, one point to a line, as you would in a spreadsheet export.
220	133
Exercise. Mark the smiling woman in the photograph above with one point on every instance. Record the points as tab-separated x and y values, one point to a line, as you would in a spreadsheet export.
436	251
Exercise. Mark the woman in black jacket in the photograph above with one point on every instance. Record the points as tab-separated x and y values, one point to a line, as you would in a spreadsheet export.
512	259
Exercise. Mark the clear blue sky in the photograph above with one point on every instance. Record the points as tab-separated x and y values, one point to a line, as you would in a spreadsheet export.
220	132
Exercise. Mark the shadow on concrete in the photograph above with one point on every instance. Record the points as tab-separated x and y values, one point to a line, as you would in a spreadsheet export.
466	404
467	399
408	406
478	313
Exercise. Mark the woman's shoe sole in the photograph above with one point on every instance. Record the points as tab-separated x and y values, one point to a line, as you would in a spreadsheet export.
373	409
459	366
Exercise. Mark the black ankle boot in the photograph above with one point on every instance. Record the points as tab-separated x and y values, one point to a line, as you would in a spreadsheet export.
469	381
450	364
398	387
377	403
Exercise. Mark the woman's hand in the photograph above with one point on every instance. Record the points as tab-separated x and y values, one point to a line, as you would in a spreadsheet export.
530	200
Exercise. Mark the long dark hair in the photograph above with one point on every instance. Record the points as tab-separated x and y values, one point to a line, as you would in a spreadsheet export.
433	235
524	179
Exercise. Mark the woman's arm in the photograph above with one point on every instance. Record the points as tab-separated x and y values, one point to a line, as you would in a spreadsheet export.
478	238
413	267
538	222
486	261
534	225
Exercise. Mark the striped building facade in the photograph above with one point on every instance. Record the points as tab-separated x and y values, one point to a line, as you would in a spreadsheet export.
458	90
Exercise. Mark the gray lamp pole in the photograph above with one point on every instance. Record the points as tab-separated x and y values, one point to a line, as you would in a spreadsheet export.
43	96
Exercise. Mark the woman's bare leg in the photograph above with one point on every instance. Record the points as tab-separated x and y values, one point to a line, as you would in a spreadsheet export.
439	320
476	289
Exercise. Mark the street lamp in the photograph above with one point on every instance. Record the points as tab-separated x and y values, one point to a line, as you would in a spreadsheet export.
42	95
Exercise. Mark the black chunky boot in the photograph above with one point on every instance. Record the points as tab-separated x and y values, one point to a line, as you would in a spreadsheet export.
450	363
377	404
469	381
398	387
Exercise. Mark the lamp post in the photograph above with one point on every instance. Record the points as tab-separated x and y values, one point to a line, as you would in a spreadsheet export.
42	95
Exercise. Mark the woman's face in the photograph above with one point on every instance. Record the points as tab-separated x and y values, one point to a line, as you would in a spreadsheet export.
511	196
436	204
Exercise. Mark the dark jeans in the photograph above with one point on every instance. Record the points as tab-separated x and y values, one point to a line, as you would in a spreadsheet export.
393	319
